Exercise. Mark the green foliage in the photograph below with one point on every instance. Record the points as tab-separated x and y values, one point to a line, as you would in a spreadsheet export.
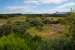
4	16
19	28
11	42
70	20
35	22
5	29
19	39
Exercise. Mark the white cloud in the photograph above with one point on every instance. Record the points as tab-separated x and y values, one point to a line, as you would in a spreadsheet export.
15	9
63	8
20	9
67	5
45	1
53	1
25	9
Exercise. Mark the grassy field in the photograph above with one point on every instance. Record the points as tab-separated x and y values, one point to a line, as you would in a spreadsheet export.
47	31
35	33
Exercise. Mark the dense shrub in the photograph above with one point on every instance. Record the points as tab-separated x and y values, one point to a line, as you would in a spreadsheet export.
5	29
11	42
27	42
35	22
20	29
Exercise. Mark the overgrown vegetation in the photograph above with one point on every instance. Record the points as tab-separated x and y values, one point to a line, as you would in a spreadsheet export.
16	36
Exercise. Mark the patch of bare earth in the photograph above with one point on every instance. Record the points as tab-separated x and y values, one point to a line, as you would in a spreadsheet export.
55	31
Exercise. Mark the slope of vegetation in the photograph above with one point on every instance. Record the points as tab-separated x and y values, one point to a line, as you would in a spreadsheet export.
38	33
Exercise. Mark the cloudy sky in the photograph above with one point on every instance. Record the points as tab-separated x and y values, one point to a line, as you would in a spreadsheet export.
36	6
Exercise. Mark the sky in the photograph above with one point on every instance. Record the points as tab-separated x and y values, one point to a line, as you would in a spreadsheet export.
36	6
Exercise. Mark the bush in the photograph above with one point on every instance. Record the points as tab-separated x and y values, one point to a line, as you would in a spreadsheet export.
5	29
11	42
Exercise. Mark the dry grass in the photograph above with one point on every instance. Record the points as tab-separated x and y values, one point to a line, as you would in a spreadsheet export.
47	32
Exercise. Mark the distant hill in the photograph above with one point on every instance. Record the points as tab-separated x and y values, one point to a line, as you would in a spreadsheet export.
62	14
